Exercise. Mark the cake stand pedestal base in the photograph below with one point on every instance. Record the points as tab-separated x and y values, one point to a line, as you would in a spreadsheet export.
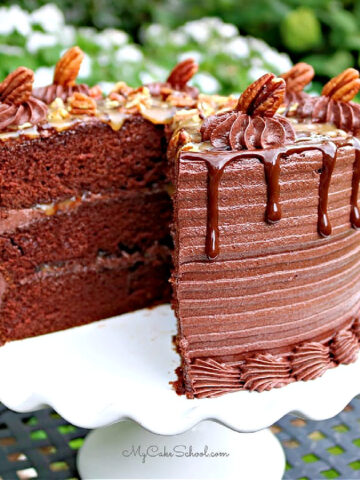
208	451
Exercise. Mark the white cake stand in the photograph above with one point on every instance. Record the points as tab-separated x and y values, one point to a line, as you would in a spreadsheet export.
119	369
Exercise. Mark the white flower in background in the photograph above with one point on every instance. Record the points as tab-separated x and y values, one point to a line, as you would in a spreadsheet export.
111	38
155	33
178	39
129	53
11	50
37	40
257	45
43	76
198	30
256	62
146	77
256	72
85	69
206	83
280	61
88	33
14	19
197	56
67	35
159	73
49	17
104	59
106	87
237	48
227	30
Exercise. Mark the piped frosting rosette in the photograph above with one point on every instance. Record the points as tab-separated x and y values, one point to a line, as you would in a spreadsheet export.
17	105
334	105
66	72
253	124
296	80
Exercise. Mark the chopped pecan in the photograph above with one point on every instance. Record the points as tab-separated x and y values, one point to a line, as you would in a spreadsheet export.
344	86
95	92
298	77
81	104
181	100
182	73
263	97
123	89
67	68
17	86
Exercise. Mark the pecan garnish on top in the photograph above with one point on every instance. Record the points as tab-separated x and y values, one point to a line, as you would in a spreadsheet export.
66	72
334	105
17	86
17	105
67	68
298	77
182	73
253	123
343	87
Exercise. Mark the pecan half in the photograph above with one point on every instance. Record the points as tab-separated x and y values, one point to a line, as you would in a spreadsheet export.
81	104
182	73
298	77
344	86
263	97
17	86
67	68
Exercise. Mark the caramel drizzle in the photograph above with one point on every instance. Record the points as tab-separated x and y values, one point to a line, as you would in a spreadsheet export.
217	161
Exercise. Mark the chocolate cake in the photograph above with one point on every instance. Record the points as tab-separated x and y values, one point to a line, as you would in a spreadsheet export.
266	256
250	205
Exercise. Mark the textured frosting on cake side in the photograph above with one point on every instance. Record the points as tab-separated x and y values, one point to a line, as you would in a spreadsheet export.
267	265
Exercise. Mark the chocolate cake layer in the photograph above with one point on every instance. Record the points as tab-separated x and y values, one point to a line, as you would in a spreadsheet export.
87	156
79	228
272	287
84	223
77	292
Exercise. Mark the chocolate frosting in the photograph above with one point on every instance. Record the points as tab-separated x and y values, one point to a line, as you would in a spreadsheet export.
48	93
17	105
212	378
253	124
238	131
32	111
335	105
310	361
345	347
323	109
265	371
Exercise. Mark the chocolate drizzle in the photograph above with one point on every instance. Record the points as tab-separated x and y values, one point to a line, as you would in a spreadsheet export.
216	162
354	212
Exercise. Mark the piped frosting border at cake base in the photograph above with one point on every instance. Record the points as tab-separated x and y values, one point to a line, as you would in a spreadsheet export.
264	371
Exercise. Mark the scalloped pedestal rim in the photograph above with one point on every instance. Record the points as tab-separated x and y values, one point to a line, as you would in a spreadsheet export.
120	368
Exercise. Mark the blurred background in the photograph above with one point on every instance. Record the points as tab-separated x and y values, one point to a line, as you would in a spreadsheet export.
235	41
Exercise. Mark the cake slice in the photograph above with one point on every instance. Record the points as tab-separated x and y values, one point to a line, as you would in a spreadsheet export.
266	276
84	201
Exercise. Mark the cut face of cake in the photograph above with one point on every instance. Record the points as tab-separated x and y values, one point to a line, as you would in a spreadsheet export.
266	260
251	214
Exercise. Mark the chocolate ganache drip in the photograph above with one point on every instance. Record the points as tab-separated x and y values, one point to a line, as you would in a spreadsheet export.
17	105
296	80
335	105
66	72
262	98
177	81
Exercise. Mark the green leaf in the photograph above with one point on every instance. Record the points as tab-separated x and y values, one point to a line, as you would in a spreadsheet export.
301	30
